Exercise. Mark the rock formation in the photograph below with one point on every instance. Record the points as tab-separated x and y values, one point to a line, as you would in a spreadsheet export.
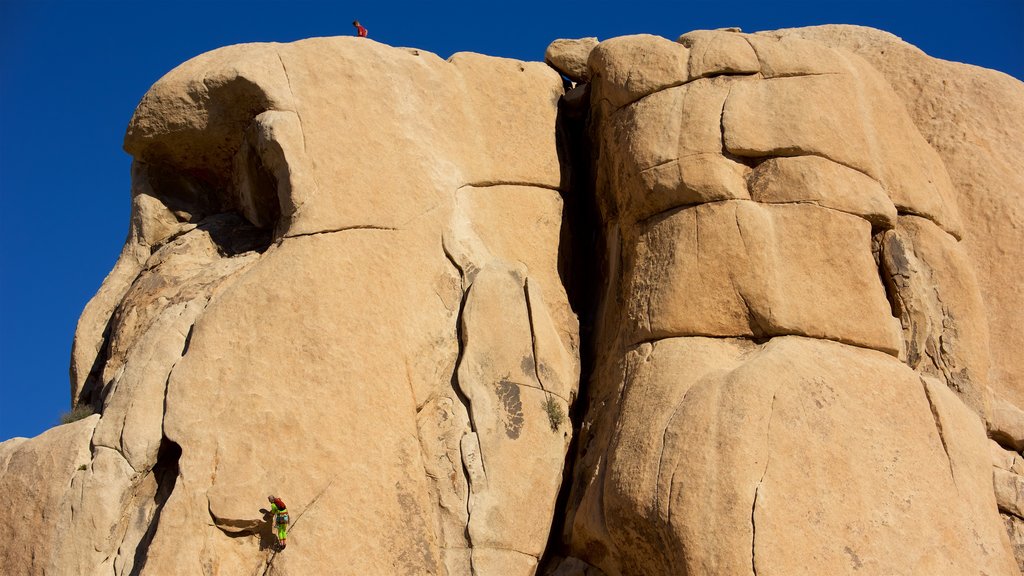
780	270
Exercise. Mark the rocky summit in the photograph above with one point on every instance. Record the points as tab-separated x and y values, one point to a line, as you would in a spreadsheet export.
734	304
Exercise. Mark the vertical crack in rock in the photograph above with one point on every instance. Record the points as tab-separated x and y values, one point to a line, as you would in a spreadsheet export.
581	238
533	338
295	102
757	490
939	429
661	457
471	465
166	472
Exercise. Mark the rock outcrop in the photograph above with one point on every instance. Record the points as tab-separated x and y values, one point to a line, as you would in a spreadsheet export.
371	281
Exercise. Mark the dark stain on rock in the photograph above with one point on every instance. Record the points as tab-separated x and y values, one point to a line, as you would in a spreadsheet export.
416	557
508	394
854	559
528	365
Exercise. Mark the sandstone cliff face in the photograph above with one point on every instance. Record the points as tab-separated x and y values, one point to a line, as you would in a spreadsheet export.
354	275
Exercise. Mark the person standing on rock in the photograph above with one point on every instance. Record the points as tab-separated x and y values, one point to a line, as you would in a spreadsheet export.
280	514
360	29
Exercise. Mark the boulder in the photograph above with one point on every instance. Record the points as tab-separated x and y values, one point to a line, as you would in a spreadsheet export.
627	68
569	57
741	268
816	180
699	476
36	477
714	52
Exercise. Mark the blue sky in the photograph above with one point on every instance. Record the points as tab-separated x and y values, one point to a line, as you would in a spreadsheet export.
71	74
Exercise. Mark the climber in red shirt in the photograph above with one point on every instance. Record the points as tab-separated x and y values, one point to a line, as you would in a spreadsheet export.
359	29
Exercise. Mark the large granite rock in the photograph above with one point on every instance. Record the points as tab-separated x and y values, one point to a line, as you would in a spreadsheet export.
754	407
352	279
974	119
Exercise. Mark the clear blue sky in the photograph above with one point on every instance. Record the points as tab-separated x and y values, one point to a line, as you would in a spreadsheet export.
71	74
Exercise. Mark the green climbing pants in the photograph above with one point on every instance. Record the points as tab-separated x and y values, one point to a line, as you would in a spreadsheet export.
282	531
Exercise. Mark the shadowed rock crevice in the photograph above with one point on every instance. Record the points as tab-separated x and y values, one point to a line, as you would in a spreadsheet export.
581	239
166	473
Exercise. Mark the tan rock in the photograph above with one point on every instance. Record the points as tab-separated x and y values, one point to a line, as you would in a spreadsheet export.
1015	529
400	123
627	68
747	269
793	56
857	122
715	491
714	52
816	180
36	474
939	303
343	283
218	359
974	119
241	363
962	435
569	57
521	437
1005	422
1005	459
665	151
1009	492
195	116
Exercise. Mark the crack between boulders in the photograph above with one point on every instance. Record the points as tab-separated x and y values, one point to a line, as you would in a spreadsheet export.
489	547
817	204
787	75
343	229
676	84
758	339
493	183
760	482
676	160
909	211
939	430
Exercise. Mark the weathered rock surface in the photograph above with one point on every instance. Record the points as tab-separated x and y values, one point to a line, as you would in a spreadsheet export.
569	57
733	455
352	279
974	119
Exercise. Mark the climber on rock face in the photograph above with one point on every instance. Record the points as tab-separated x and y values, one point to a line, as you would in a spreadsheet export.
280	519
360	29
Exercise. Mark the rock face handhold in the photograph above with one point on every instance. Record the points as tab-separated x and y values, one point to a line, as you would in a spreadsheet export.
352	279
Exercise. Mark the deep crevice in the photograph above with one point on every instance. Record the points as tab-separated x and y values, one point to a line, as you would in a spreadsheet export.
580	263
166	472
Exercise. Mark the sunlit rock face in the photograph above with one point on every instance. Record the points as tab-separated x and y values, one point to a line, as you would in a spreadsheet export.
371	281
792	351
